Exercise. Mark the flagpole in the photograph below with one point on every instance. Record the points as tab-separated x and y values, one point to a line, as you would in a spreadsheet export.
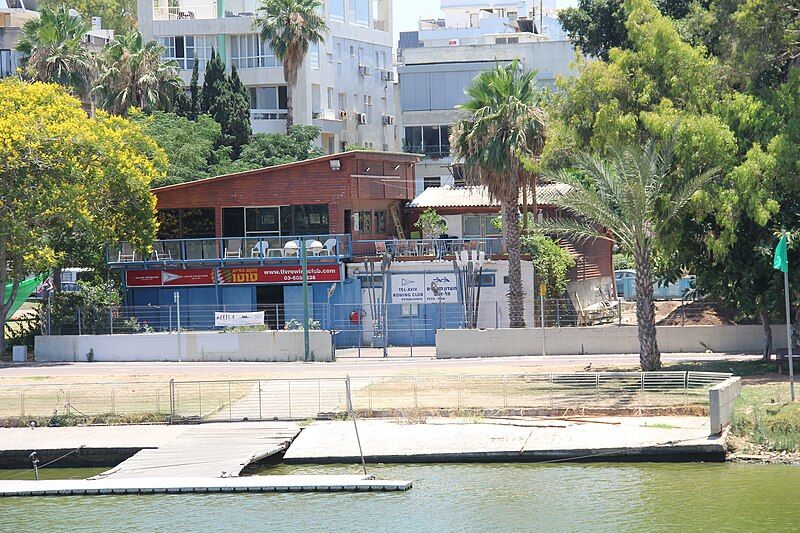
788	328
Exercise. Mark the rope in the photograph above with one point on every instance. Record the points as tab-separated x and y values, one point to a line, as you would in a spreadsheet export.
46	464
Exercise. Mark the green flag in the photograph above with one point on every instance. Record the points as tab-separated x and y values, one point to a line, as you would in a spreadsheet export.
781	261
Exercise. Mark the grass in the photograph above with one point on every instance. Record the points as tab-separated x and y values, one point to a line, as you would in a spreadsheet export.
737	368
765	419
660	425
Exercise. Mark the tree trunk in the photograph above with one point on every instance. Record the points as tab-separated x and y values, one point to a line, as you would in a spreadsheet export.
289	106
57	279
763	313
649	357
516	296
524	207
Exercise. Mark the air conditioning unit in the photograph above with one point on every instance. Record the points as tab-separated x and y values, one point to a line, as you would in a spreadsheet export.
387	75
388	120
364	70
361	118
342	114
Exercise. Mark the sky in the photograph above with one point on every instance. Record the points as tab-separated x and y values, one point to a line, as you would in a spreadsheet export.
408	12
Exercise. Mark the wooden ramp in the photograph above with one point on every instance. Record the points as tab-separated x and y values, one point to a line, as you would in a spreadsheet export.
208	450
156	485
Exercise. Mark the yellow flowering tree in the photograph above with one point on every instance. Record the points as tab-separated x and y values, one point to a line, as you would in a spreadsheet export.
70	183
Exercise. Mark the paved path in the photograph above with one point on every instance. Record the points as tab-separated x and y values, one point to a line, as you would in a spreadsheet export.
507	439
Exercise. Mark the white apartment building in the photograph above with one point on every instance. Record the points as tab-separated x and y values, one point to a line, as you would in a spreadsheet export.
345	86
13	14
436	63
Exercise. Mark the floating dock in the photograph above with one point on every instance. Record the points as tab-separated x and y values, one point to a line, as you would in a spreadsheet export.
178	485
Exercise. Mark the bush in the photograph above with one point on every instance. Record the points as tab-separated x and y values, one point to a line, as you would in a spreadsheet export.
552	262
296	325
93	301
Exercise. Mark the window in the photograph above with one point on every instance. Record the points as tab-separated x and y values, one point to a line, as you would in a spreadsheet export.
360	8
431	181
352	52
330	97
342	101
329	57
368	106
339	53
311	219
269	102
362	221
247	51
479	226
336	10
380	221
313	56
184	48
316	100
263	220
186	223
8	63
429	140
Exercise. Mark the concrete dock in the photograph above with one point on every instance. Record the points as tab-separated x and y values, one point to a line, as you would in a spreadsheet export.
157	485
664	438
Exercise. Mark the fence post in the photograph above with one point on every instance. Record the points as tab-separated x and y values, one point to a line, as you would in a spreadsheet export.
459	391
410	335
199	397
230	402
68	399
558	313
171	400
79	320
290	394
550	379
111	319
170	318
319	398
22	403
641	395
416	405
359	334
686	389
260	414
496	315
505	391
113	398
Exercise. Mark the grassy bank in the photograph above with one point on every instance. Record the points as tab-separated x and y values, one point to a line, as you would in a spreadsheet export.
764	421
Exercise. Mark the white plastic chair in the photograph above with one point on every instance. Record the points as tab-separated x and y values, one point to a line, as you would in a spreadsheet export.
313	247
329	247
261	249
291	249
126	253
233	249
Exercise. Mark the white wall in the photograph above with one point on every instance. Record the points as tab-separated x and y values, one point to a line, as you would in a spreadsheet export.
720	403
189	346
599	340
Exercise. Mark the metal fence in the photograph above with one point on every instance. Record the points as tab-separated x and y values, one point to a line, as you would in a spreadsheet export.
304	398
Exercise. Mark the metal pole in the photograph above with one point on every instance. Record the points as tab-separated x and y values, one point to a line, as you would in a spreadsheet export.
111	320
177	298
541	299
410	335
35	461
789	331
79	321
355	424
304	268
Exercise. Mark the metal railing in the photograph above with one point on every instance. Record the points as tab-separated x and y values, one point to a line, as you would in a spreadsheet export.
231	250
303	398
427	248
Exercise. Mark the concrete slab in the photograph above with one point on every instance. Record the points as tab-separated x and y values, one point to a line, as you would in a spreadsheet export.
449	440
152	485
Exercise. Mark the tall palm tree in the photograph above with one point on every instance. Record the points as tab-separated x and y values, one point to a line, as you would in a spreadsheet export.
503	125
632	198
132	74
51	50
290	27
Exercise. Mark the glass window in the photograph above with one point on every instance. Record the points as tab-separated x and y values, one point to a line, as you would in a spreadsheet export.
311	219
444	134
361	12
408	310
262	220
197	223
342	101
414	139
336	10
380	221
365	221
472	225
185	48
313	56
430	139
330	97
169	223
247	51
431	181
268	103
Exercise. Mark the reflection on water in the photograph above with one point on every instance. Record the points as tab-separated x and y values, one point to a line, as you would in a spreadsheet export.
460	497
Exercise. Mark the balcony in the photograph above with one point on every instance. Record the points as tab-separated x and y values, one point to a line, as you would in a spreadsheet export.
432	151
197	9
425	249
230	251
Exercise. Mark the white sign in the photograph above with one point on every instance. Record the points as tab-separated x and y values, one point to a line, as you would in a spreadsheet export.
239	319
416	288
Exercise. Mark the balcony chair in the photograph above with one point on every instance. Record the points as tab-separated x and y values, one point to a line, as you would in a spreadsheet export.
160	252
126	253
233	249
261	249
291	249
313	247
380	248
329	247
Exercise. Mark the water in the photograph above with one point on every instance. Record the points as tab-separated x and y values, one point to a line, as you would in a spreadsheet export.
463	497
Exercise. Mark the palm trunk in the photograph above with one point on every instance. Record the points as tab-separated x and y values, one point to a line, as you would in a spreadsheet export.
524	208
516	296
649	357
763	313
534	201
289	107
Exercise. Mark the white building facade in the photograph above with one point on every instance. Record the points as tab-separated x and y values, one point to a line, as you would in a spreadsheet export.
345	86
437	63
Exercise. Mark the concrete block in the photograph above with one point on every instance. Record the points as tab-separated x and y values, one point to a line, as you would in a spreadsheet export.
720	402
19	354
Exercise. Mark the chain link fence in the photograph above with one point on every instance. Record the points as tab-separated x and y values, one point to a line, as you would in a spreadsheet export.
304	398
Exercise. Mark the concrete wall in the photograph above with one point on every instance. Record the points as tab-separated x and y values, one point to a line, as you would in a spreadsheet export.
191	346
720	402
455	343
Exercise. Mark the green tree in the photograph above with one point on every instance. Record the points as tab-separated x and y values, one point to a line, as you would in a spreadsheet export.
269	149
632	198
117	15
215	85
194	91
431	224
550	261
70	183
597	26
502	126
189	145
236	123
132	74
290	27
52	50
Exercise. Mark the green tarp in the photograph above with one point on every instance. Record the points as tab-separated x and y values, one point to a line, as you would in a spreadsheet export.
26	288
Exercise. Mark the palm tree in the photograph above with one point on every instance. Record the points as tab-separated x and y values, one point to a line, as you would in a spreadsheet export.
632	198
134	75
503	126
290	27
51	50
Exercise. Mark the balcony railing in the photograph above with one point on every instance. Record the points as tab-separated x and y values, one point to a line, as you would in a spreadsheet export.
435	151
412	249
232	250
204	11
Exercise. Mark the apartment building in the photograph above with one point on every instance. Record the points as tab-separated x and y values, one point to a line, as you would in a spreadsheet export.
13	14
345	86
436	63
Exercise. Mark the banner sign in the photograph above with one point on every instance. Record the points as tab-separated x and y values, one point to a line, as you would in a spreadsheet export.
239	319
416	288
278	275
169	278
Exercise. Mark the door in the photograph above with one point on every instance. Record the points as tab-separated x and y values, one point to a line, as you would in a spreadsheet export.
269	298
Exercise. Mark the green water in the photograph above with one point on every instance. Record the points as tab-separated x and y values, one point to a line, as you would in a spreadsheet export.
465	497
